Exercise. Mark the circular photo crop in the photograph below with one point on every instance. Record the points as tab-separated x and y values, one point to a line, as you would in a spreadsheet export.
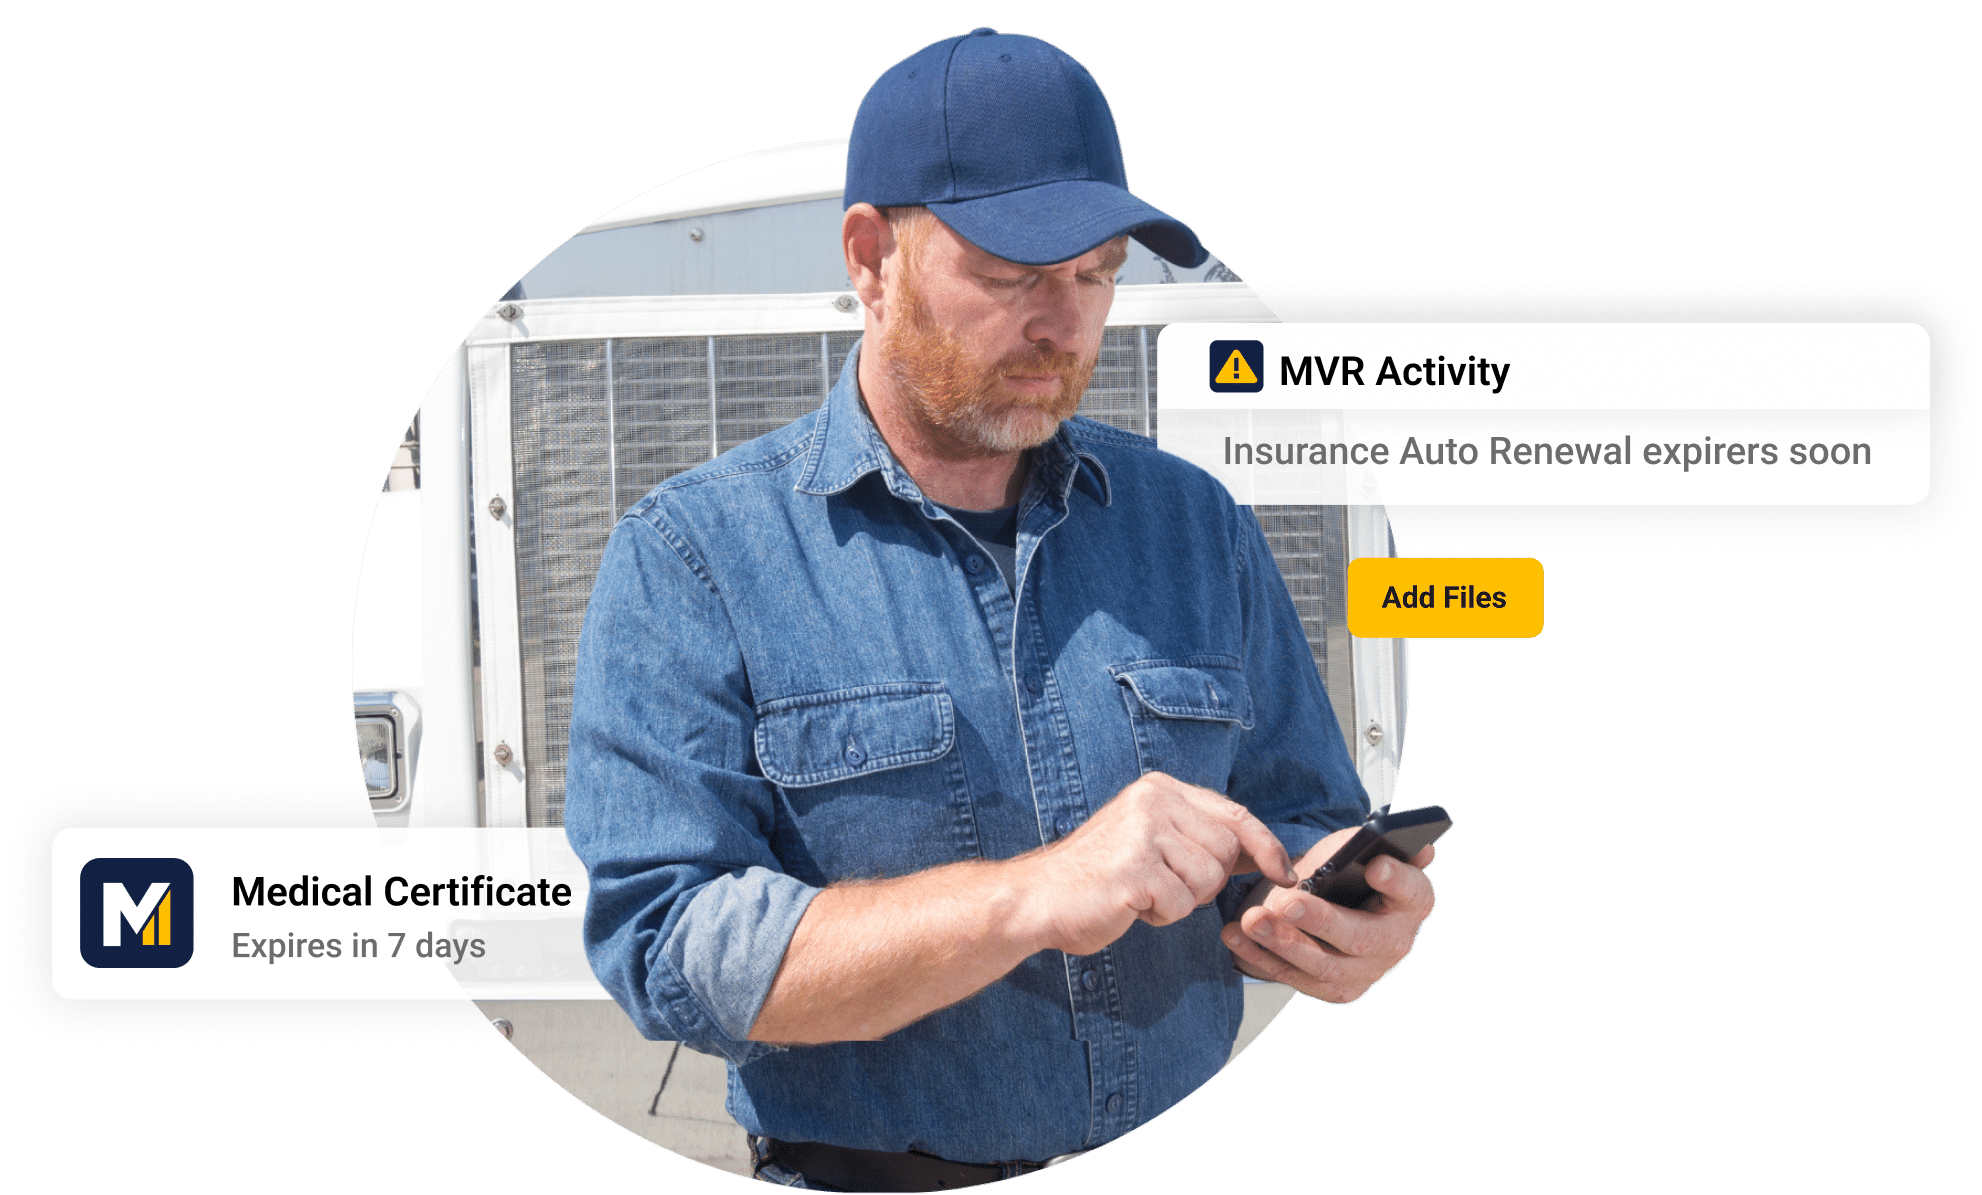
646	580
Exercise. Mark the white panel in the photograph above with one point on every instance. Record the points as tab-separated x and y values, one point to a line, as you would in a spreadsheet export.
724	315
1375	665
1224	302
495	562
444	786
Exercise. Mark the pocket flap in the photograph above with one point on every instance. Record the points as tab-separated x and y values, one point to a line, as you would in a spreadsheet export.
817	738
1206	688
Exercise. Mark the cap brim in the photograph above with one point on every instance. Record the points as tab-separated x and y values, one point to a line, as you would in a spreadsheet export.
1056	222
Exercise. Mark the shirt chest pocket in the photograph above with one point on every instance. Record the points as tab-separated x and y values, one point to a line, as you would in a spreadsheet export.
1187	716
870	779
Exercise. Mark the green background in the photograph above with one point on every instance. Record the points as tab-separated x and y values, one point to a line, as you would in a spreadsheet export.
1703	916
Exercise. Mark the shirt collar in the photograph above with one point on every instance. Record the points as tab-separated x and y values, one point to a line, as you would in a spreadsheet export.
846	446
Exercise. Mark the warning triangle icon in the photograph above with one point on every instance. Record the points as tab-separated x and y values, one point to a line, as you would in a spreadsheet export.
1236	372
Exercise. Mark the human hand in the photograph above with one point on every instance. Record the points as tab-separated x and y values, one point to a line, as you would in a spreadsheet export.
1157	851
1324	949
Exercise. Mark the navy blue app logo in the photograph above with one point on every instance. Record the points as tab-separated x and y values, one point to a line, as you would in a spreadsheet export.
137	913
1238	366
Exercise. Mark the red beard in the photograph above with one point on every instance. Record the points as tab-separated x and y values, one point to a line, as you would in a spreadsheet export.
965	402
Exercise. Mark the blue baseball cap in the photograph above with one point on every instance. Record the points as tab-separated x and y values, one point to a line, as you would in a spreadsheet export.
1010	143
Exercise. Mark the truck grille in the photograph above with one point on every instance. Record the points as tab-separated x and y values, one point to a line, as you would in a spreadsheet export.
595	424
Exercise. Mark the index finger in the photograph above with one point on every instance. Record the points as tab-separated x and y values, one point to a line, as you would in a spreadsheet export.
1259	848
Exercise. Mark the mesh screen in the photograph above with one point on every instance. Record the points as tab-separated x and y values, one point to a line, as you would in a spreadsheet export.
1149	371
1114	392
838	345
559	408
596	424
1310	544
765	382
660	412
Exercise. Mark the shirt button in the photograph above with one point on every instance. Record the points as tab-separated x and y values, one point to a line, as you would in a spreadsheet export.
1089	980
1114	1103
973	564
1063	826
1032	685
854	755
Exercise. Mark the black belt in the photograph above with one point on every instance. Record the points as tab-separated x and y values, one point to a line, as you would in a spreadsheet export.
880	1170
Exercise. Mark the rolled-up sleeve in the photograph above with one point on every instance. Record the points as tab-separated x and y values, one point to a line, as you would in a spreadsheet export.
690	912
1293	770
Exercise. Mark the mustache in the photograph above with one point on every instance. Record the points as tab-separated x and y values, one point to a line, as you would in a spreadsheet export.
1037	360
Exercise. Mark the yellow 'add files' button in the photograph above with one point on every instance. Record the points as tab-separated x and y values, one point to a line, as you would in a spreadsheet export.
1444	598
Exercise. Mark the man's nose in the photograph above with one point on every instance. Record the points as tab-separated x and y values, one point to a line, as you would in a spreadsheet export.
1054	315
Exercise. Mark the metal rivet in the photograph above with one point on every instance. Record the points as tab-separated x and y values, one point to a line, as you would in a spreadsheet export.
497	506
510	313
694	234
503	1027
503	754
843	303
1374	734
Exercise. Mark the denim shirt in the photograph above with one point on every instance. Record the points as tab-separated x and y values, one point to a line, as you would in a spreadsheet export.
797	669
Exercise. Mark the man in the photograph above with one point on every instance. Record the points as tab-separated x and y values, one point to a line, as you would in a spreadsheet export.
922	750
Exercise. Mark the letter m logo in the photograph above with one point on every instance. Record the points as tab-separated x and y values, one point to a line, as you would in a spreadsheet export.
137	913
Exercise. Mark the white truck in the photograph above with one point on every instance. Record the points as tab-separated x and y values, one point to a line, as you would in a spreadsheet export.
707	312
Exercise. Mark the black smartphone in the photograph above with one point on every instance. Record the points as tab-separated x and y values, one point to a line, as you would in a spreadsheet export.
1340	878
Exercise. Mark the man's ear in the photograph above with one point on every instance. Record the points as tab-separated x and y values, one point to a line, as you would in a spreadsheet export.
867	239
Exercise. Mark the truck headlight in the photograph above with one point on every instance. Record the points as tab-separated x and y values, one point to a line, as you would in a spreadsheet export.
388	737
378	753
